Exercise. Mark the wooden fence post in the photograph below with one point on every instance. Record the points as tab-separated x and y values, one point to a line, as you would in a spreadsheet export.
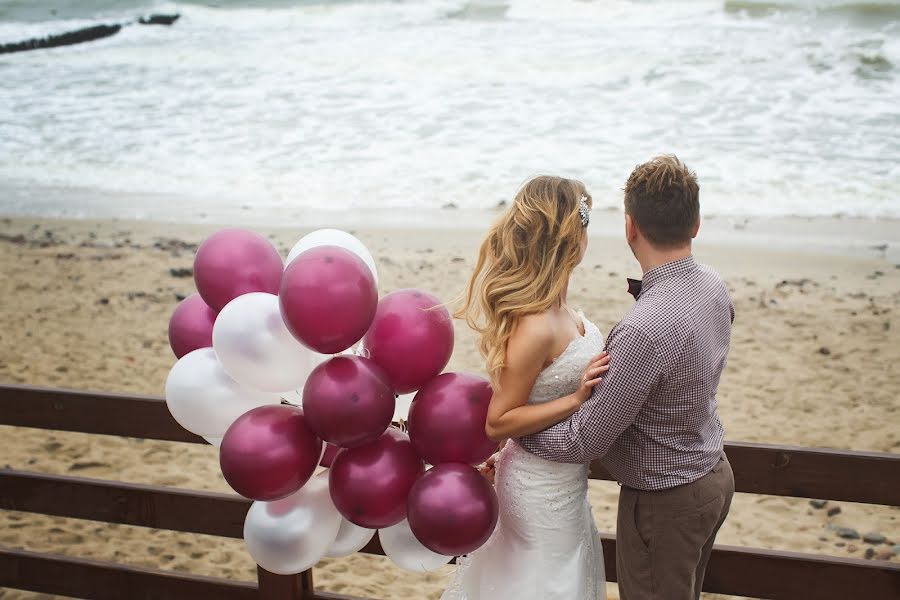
284	587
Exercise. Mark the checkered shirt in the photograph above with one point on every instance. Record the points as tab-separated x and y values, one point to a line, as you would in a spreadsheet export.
653	419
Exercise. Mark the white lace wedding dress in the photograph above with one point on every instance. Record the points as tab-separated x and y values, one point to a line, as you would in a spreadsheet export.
546	545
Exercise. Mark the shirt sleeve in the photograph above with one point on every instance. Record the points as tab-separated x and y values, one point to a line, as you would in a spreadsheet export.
635	369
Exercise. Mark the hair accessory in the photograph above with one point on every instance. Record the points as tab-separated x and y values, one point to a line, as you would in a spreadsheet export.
584	211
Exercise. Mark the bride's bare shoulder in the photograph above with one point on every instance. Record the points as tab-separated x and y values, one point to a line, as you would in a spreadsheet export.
537	328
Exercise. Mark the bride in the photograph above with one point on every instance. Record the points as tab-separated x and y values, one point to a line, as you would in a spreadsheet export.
546	544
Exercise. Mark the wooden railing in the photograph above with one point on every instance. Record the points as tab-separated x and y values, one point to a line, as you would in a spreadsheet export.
760	469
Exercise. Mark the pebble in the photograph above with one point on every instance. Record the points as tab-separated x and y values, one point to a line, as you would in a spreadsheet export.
104	301
852	548
874	538
181	272
840	544
180	297
794	282
818	503
824	351
848	534
886	555
870	553
896	549
834	510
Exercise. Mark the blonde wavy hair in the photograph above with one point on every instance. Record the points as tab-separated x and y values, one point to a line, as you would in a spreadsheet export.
524	263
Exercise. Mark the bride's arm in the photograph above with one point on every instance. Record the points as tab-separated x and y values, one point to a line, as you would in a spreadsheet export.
527	351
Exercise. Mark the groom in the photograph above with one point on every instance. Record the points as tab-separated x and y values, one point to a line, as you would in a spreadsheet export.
652	421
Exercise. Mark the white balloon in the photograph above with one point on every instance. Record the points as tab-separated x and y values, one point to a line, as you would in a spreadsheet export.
402	547
334	237
215	442
204	399
350	539
256	348
401	408
290	535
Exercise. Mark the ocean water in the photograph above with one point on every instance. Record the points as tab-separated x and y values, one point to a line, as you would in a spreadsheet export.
281	106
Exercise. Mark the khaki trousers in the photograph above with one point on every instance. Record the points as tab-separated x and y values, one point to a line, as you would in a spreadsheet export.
664	538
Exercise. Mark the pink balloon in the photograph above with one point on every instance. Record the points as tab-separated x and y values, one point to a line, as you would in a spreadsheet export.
452	509
328	456
447	417
328	298
348	401
191	325
369	484
234	262
269	452
411	338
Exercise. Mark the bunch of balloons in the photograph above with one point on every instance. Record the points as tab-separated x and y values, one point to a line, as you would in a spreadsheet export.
326	468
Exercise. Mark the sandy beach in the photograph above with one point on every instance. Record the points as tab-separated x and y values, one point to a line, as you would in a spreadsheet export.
816	343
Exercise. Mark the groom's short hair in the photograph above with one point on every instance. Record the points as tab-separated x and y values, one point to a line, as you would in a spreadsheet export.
663	198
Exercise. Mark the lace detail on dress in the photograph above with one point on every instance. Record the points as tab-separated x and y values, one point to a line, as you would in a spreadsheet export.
546	544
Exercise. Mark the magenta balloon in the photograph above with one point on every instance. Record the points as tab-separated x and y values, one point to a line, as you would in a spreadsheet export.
369	484
234	262
452	509
348	401
268	453
411	338
328	456
191	325
447	417
328	298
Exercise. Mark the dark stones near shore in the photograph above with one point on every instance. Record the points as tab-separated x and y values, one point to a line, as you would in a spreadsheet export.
18	239
180	297
848	533
798	283
885	555
818	503
870	553
874	538
174	246
825	351
181	273
834	510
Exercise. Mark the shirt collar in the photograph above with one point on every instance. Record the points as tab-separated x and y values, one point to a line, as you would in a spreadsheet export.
660	273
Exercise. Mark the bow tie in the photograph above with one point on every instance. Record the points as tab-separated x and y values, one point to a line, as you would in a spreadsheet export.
634	287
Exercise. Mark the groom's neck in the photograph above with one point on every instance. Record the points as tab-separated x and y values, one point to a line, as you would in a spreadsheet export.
651	257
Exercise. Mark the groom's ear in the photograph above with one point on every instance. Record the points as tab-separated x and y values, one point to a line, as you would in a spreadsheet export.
630	228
